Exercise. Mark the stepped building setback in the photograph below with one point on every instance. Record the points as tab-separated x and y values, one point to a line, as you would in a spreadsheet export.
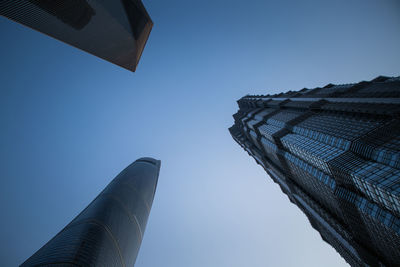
109	231
116	31
335	152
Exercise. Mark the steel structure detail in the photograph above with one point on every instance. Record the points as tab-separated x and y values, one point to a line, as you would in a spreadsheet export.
335	152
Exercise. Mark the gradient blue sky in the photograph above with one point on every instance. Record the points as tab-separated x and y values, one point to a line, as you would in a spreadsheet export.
70	122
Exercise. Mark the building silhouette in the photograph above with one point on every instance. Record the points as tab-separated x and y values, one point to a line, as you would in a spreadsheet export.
114	30
109	231
335	152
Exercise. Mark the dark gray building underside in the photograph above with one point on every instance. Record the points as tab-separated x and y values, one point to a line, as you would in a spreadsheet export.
114	30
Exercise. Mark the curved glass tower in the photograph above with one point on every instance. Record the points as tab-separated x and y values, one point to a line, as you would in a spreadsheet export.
109	231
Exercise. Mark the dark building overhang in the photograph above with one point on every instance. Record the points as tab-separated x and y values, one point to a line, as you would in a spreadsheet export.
116	31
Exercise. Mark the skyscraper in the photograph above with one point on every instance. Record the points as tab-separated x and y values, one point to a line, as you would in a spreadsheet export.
335	152
116	31
109	231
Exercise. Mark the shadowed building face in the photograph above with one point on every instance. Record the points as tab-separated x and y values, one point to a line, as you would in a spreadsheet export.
109	231
113	30
334	153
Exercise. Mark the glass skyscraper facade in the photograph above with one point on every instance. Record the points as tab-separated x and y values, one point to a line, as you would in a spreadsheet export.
109	231
114	30
335	152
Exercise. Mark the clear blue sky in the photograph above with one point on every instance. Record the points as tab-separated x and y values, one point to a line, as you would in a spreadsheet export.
70	122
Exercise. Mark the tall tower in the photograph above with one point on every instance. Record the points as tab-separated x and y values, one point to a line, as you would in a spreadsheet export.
116	31
109	231
335	152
